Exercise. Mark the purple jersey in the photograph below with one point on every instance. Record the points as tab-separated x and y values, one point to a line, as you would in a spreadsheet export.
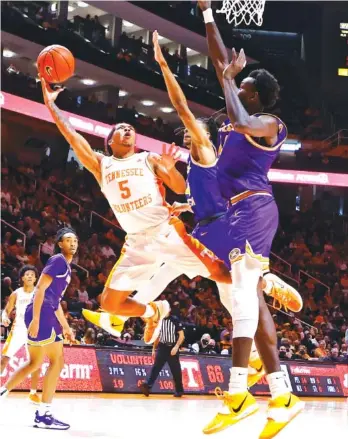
203	192
244	161
58	268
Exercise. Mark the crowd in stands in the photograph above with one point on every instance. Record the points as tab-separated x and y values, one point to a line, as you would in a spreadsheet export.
308	241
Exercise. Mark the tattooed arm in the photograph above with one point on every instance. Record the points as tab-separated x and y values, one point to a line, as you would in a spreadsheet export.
89	158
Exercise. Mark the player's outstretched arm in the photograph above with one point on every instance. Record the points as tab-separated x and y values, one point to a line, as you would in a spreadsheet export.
202	149
263	126
90	159
5	317
216	47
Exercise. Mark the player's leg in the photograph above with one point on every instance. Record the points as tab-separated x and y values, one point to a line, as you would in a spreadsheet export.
54	353
33	396
283	406
138	263
43	416
4	362
149	292
35	360
8	350
255	370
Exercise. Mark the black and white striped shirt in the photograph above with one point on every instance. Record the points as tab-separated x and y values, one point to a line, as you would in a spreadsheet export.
169	330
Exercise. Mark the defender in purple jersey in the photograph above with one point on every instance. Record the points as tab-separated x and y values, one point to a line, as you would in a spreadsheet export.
249	143
46	324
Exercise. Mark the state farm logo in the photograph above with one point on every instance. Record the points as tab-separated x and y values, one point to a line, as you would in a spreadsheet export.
298	370
72	371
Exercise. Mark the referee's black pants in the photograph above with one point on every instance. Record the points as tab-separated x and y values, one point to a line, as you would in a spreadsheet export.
164	356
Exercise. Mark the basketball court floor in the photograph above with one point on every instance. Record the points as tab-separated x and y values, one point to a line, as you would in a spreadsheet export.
162	417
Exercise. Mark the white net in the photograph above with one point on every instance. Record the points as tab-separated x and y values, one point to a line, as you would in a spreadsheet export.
239	11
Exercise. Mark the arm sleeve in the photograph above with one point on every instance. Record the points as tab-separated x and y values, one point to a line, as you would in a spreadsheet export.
56	265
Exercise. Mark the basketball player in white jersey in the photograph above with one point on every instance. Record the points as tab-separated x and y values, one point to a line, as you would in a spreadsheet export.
133	185
19	300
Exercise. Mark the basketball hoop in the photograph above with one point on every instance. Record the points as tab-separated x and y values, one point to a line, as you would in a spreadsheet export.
237	11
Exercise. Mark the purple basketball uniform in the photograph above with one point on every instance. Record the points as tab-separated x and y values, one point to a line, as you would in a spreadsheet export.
203	192
251	221
50	329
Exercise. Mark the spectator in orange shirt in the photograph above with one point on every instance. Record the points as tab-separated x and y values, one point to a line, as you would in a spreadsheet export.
321	351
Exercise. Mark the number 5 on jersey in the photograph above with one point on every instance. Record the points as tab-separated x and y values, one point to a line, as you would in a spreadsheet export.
125	191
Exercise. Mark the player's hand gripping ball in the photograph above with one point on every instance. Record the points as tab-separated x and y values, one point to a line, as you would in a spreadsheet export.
56	64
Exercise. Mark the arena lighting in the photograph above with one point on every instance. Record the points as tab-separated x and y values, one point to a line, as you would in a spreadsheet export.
71	8
88	81
39	111
147	103
291	146
122	93
167	110
159	37
127	23
8	53
82	4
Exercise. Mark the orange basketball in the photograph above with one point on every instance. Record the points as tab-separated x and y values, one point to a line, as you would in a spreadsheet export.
56	64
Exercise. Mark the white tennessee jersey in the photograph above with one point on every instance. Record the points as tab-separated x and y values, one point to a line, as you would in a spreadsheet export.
135	194
22	301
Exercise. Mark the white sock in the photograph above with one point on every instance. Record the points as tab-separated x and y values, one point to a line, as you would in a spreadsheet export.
238	380
44	408
277	384
32	392
149	312
254	354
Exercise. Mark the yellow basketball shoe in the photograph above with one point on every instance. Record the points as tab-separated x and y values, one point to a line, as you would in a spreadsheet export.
153	324
284	294
235	408
34	398
280	412
111	324
255	375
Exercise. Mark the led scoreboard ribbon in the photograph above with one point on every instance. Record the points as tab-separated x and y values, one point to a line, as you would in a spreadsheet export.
87	369
123	371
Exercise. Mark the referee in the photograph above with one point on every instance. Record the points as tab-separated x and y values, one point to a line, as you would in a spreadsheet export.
170	339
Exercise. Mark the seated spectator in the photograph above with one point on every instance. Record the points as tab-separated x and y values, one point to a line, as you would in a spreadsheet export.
107	251
89	337
321	351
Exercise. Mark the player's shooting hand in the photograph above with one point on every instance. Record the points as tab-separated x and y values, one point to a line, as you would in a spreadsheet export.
204	4
178	208
49	94
168	158
157	49
236	65
33	329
